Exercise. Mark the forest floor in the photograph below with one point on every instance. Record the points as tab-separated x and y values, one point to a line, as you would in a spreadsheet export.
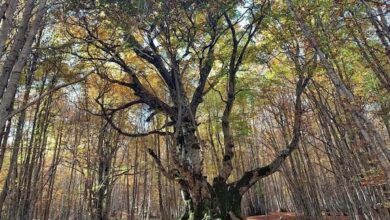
292	216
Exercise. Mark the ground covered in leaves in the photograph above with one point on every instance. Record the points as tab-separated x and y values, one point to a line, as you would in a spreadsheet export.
292	216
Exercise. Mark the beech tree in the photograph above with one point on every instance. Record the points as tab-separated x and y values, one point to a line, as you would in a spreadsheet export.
224	109
179	42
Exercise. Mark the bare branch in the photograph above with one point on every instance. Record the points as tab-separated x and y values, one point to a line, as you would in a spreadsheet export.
43	95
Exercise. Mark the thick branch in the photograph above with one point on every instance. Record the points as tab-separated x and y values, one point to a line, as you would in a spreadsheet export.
153	58
146	97
205	70
139	90
235	62
108	117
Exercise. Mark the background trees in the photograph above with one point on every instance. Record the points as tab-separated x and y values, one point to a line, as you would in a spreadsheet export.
193	98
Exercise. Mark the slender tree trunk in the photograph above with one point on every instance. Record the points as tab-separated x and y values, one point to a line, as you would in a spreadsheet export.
4	141
16	144
366	128
10	76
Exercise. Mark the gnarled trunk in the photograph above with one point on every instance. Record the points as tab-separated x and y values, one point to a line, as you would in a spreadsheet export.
221	201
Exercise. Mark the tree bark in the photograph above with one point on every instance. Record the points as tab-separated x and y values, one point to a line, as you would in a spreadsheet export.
11	84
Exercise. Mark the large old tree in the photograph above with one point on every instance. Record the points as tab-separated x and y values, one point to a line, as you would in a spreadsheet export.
187	48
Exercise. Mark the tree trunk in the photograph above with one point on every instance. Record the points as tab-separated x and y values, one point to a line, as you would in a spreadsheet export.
221	201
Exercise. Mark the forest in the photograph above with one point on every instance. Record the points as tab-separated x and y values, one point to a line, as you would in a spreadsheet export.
194	109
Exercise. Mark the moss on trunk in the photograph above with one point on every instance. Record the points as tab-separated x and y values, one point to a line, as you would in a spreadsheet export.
224	204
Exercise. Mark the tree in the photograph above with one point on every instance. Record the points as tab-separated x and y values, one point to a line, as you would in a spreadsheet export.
177	43
18	53
199	109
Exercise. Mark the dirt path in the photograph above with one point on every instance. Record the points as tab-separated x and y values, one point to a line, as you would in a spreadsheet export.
292	216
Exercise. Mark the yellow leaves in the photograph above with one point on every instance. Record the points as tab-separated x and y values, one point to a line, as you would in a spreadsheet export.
138	37
67	74
71	27
201	19
94	86
120	93
103	34
147	74
132	59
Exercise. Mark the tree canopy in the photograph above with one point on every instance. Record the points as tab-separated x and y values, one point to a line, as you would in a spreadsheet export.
187	109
